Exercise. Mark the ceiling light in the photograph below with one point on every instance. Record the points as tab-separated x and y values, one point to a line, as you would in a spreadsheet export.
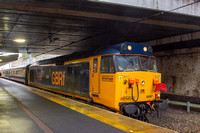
5	18
7	54
19	40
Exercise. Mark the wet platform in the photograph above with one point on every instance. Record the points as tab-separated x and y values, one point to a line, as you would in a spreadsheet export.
27	109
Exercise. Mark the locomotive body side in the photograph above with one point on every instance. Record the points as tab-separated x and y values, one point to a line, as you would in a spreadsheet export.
71	78
102	81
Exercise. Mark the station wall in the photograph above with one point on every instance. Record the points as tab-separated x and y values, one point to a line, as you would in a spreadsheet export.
181	71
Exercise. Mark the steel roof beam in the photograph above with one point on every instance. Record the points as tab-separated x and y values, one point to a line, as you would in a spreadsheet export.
95	15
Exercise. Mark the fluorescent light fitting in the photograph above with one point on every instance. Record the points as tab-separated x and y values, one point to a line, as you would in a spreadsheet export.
7	54
19	40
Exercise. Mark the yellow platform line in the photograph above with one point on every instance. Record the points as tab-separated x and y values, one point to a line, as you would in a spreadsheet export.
133	125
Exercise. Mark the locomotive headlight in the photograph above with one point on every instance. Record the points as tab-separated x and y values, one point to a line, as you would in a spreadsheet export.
145	49
143	82
129	47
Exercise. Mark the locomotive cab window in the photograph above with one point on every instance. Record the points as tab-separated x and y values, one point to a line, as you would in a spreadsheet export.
136	63
148	64
107	64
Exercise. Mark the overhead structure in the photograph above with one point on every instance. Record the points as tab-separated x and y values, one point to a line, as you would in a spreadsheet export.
63	27
6	58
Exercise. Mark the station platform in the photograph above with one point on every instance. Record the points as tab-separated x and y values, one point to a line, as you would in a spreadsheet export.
25	109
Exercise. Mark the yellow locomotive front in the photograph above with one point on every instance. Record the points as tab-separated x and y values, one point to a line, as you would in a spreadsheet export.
129	81
137	77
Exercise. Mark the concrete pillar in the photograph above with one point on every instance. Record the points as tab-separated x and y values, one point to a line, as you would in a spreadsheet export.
167	100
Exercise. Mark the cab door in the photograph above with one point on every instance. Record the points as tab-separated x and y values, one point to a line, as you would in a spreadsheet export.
95	86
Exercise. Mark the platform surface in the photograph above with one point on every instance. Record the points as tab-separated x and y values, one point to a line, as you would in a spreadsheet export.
25	109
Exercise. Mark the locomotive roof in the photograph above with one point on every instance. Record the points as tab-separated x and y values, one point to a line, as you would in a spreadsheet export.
122	48
127	48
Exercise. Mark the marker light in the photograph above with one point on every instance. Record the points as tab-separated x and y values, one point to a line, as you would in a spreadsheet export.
123	47
19	40
143	82
129	47
150	49
145	49
0	60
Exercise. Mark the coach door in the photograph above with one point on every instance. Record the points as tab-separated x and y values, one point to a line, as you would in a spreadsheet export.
95	77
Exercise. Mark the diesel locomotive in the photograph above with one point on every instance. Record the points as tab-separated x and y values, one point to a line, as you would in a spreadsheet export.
123	77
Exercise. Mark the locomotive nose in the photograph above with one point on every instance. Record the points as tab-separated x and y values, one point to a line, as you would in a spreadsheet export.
144	83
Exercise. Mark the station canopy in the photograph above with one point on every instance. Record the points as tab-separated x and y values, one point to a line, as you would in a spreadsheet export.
66	26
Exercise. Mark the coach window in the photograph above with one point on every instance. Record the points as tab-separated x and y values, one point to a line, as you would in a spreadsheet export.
107	65
95	65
